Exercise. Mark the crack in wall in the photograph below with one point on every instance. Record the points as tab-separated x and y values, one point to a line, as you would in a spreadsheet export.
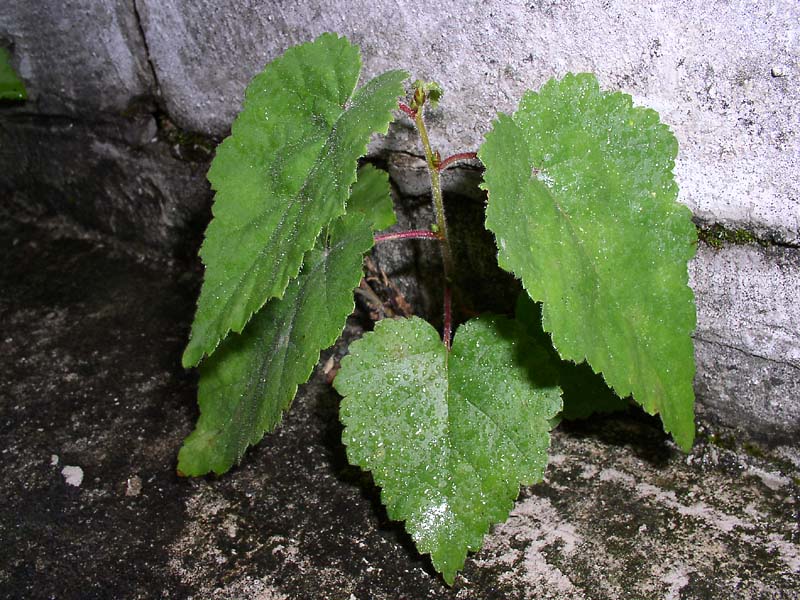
146	46
746	352
718	235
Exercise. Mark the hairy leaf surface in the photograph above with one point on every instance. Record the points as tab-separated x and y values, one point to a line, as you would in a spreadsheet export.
582	202
449	438
371	196
252	378
283	174
11	86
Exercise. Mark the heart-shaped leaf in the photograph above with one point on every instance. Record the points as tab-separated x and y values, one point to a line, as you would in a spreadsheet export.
449	437
371	196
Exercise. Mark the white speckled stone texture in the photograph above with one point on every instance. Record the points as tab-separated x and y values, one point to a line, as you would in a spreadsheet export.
747	342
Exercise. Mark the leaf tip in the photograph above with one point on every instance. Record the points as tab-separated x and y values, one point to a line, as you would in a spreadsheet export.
191	356
684	438
187	467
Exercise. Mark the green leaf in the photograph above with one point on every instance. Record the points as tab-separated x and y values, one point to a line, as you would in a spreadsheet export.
11	86
252	378
371	195
283	174
584	392
426	92
582	202
449	438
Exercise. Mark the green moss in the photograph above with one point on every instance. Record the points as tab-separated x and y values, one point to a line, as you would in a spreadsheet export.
753	450
718	235
726	442
186	144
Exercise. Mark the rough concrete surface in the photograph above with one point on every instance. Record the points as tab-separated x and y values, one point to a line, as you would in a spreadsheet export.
723	75
94	404
748	337
77	57
119	177
729	282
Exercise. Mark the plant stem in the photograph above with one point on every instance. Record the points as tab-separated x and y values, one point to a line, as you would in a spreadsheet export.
414	234
407	109
441	221
455	157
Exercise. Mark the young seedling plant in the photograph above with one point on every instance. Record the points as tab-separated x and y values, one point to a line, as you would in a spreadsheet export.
582	205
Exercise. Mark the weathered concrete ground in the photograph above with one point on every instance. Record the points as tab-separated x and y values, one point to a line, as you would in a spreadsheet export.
90	378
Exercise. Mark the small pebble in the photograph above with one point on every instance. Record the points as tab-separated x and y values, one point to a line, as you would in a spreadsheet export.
778	71
133	486
53	459
73	475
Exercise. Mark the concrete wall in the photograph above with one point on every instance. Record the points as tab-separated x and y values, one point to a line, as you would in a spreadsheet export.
87	144
117	87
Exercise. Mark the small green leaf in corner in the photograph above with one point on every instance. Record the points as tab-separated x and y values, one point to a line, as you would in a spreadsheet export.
11	86
371	195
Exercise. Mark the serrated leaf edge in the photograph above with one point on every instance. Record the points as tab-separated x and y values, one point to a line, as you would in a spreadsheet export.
190	357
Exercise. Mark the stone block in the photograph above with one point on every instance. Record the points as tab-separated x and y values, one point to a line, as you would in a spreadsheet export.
749	394
748	338
747	299
77	58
